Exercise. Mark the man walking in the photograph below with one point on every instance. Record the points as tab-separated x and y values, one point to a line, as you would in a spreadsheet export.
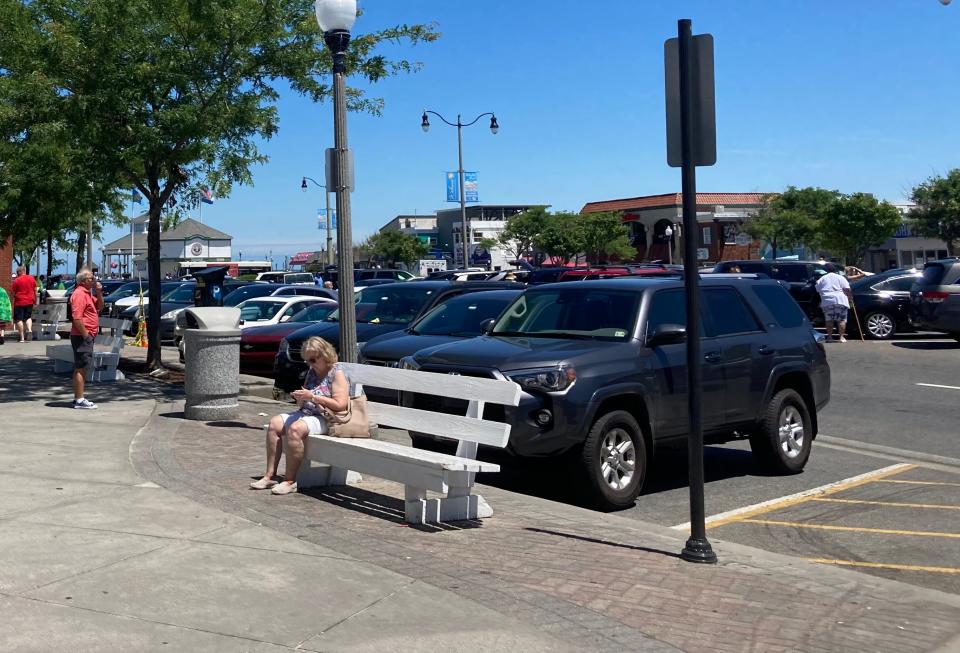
834	300
86	302
24	298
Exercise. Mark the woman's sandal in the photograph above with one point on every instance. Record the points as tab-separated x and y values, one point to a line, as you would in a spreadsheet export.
263	484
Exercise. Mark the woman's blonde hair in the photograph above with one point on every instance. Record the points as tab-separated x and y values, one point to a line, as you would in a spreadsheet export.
320	346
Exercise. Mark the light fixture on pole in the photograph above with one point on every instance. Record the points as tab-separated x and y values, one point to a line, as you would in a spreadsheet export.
335	18
494	128
303	187
668	232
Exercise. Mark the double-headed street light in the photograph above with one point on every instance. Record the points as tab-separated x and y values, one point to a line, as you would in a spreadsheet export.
303	187
494	128
335	18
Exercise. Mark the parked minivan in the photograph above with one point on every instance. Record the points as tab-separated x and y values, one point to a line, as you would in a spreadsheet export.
288	278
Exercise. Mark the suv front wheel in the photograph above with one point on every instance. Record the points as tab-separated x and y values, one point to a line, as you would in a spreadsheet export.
782	440
614	459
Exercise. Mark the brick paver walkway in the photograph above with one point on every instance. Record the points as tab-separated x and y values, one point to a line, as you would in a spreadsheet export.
596	580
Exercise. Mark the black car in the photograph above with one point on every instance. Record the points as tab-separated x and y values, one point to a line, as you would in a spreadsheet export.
883	303
801	276
458	317
256	289
602	366
379	310
546	275
935	298
171	304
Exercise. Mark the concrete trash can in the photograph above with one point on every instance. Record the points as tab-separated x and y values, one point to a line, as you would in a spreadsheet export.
212	350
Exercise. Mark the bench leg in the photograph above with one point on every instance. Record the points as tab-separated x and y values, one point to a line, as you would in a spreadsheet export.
417	508
459	505
313	474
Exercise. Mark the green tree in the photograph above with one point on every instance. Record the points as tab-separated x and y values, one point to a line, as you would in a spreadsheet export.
398	247
791	218
562	237
855	223
165	93
605	237
523	230
938	209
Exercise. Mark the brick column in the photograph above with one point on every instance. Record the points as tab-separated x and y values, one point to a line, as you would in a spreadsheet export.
6	265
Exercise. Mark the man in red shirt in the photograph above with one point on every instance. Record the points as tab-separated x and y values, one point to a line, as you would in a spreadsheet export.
24	297
86	302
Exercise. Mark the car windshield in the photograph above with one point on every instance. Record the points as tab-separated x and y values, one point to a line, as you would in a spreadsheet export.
246	292
182	293
259	311
315	312
389	304
460	316
571	313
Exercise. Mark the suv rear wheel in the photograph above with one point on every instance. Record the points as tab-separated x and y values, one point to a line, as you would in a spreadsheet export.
614	459
782	440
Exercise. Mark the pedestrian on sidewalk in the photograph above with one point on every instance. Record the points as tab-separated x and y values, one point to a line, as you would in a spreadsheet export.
6	313
835	296
24	299
86	302
325	388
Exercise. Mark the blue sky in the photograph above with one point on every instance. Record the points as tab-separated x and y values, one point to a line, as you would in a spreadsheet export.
856	95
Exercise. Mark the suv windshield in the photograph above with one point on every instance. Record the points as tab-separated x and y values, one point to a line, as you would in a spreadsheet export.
389	304
571	313
460	316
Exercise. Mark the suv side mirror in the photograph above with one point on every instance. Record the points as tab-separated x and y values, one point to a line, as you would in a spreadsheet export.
667	334
487	325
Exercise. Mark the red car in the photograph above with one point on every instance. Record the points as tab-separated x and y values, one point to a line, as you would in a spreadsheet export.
259	345
610	271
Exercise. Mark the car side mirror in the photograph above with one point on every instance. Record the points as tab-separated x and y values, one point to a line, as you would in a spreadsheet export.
487	325
667	334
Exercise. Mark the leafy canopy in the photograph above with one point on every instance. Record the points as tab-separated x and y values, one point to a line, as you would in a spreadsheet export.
397	247
857	222
937	214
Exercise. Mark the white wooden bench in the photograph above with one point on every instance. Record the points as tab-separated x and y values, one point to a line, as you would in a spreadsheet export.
106	352
420	471
47	319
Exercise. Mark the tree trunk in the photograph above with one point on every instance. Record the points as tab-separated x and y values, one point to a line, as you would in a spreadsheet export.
773	245
81	249
950	248
153	282
49	255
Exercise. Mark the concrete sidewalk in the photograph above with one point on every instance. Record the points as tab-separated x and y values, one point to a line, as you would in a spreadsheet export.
129	527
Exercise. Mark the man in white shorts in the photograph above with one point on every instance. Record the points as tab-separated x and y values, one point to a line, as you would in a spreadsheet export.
835	296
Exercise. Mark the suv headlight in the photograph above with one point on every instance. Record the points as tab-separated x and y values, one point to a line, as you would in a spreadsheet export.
407	363
548	379
170	315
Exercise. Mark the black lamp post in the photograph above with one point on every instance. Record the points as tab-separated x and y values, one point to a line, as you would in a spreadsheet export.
335	18
494	128
303	187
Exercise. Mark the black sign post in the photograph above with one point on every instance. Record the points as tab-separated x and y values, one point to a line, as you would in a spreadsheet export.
691	132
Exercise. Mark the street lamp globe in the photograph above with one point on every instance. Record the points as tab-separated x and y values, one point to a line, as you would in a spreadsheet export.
668	232
425	122
333	15
303	185
494	125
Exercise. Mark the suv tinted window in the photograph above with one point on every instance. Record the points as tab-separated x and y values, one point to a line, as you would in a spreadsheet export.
666	307
571	313
727	313
779	302
787	272
933	273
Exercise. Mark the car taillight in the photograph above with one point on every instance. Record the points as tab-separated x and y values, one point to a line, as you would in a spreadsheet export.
933	296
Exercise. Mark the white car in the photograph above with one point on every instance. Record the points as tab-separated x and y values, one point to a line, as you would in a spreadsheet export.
274	309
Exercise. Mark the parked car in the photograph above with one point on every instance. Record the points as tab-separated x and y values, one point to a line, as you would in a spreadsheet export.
883	303
287	278
379	310
610	271
262	311
602	366
547	275
250	290
456	318
801	275
171	304
361	276
116	307
935	298
259	344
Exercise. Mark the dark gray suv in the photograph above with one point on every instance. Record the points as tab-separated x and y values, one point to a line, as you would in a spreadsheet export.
602	365
935	297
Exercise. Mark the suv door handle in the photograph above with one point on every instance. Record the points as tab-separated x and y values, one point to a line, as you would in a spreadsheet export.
712	357
766	350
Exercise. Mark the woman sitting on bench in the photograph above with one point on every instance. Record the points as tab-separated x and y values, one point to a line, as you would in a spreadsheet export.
325	388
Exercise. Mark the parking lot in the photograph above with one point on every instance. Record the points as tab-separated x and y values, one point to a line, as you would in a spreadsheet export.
880	494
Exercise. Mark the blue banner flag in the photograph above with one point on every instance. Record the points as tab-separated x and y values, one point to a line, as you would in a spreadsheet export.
470	192
322	219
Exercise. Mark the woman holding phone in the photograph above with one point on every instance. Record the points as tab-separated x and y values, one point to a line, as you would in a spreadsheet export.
325	388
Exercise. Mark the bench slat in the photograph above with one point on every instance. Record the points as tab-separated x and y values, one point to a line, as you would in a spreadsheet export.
114	323
456	427
492	391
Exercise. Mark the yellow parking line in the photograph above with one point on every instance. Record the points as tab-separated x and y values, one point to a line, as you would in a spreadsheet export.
950	483
851	529
894	504
880	565
800	497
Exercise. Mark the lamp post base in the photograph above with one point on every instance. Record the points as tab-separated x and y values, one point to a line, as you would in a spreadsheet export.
698	550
